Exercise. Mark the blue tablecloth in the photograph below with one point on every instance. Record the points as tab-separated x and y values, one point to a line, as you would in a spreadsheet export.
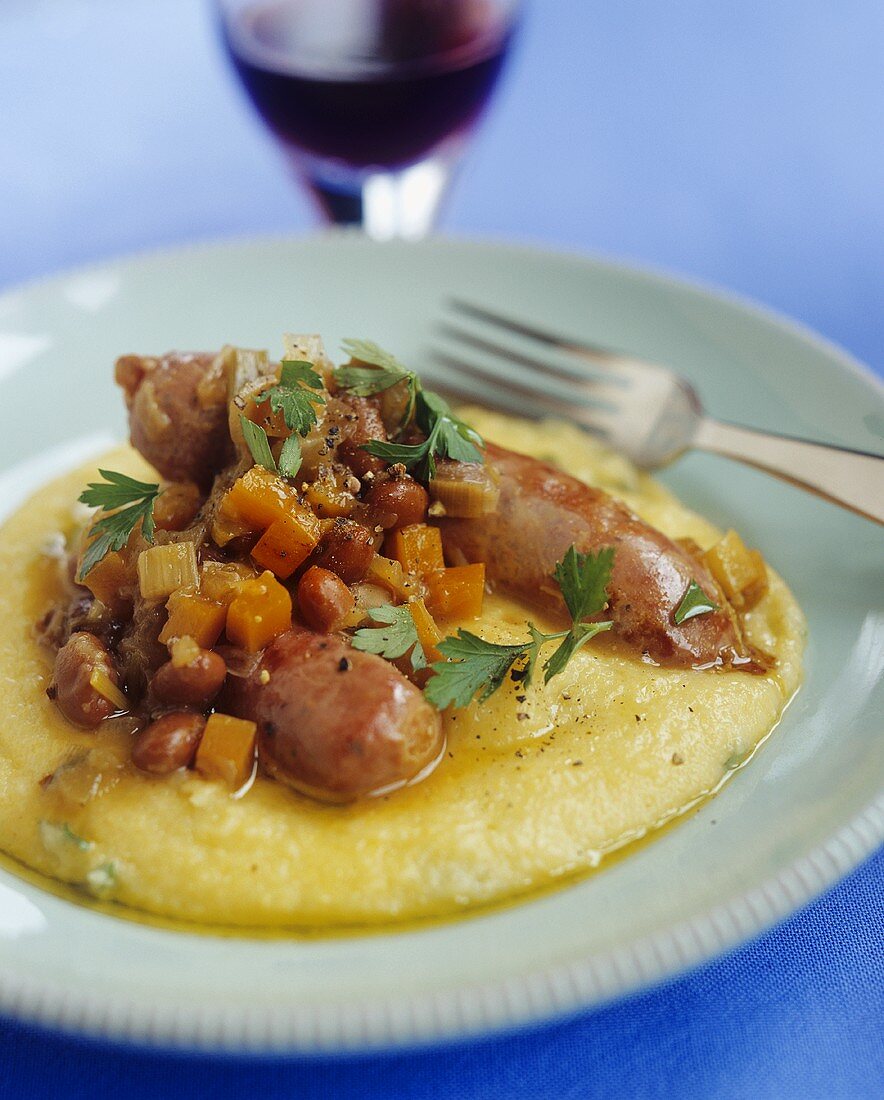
735	143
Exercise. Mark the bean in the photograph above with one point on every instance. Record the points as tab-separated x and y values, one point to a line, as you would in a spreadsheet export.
323	599
397	502
346	549
71	688
177	505
169	743
195	684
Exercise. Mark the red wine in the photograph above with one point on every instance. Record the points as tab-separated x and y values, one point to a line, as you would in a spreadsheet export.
369	83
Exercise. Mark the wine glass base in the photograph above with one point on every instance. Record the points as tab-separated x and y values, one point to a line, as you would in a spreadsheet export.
387	204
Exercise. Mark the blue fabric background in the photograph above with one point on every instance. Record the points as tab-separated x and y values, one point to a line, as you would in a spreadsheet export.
737	143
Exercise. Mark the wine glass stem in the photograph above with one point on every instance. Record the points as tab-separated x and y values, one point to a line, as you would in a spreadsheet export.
386	204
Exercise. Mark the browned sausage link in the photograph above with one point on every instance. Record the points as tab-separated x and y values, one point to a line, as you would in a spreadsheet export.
333	722
323	599
71	687
346	549
543	511
194	684
169	743
397	502
178	425
360	420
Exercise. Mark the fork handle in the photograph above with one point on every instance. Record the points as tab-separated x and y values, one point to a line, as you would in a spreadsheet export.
853	479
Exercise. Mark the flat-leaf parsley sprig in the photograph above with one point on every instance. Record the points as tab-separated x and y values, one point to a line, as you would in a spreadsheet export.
395	638
295	396
476	668
447	436
129	504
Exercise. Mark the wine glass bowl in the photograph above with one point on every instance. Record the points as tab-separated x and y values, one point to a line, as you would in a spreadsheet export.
373	100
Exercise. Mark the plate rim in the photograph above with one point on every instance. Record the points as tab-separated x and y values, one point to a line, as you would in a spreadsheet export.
429	1017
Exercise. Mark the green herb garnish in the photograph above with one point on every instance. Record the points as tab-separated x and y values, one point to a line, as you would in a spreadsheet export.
258	443
395	638
447	437
112	531
474	667
290	457
292	395
384	370
695	602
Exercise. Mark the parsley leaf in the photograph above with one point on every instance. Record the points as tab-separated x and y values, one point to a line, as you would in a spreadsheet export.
573	640
394	639
291	395
258	444
447	437
112	531
290	457
583	579
384	370
694	602
474	666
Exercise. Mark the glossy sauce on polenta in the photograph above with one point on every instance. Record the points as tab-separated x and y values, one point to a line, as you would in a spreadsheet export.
536	784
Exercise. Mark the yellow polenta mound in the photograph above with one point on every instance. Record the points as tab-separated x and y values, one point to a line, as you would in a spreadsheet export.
535	784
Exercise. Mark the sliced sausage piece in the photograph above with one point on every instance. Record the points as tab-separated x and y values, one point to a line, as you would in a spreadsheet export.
543	511
176	419
333	722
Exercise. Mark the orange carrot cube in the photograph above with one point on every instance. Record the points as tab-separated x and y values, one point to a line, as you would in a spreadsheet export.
259	497
457	592
192	615
287	542
227	750
427	632
261	612
417	548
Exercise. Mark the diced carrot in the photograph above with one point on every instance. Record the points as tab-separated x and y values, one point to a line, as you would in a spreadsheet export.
427	632
417	548
261	612
106	579
287	542
222	580
227	750
330	497
272	422
457	592
228	525
258	498
192	615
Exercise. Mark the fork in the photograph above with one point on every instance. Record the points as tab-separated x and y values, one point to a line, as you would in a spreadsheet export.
643	409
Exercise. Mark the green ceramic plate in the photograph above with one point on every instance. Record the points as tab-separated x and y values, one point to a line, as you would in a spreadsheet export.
806	810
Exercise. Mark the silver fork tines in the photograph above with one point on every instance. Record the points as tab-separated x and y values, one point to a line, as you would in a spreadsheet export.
642	408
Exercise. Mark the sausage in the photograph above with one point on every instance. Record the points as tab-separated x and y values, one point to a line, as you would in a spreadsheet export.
71	687
542	511
176	420
333	722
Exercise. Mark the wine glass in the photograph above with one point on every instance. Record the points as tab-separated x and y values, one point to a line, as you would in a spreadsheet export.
373	100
